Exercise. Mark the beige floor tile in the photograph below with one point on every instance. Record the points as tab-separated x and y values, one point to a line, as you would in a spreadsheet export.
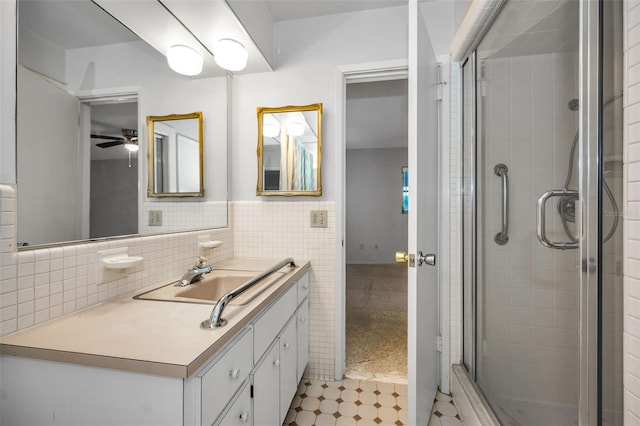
446	408
346	421
331	393
386	388
305	418
325	420
450	421
314	390
387	400
349	395
329	406
367	411
368	398
348	409
388	414
310	404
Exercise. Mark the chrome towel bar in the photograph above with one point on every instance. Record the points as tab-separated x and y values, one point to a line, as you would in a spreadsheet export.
216	320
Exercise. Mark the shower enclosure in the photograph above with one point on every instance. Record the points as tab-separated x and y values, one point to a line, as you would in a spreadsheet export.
541	222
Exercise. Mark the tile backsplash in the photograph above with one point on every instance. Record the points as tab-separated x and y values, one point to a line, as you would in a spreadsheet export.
43	284
277	229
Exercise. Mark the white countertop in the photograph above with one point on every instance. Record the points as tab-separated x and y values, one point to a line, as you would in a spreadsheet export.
146	336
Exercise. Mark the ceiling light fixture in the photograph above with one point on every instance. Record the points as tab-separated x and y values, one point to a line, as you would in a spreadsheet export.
132	146
184	60
270	130
295	128
230	54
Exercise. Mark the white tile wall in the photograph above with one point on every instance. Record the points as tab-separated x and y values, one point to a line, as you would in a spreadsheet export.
530	348
179	214
278	229
455	232
38	285
632	215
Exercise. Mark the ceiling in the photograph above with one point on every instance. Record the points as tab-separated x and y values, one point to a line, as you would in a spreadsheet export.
376	112
284	10
377	115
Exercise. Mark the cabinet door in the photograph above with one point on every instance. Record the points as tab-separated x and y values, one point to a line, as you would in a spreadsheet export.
288	366
266	388
239	413
303	338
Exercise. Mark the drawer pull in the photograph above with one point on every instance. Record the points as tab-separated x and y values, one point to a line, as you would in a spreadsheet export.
287	345
276	363
235	373
305	286
303	319
244	417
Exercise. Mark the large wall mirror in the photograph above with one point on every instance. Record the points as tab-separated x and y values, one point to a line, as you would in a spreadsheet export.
290	150
85	84
175	155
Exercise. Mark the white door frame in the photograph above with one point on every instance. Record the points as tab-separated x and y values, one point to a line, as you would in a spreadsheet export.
382	71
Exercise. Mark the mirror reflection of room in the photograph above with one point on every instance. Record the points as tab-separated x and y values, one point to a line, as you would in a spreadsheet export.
85	82
175	155
290	138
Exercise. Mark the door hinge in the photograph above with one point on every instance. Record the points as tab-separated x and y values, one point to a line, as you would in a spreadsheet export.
439	344
251	391
441	83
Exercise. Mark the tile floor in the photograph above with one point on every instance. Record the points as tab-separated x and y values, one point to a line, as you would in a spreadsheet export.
352	402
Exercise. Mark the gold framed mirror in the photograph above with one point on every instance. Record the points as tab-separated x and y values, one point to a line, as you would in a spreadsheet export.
175	155
290	150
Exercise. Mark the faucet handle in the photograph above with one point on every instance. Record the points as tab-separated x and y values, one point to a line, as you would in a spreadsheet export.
201	261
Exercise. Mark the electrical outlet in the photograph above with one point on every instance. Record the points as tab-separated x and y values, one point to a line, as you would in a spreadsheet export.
318	218
155	217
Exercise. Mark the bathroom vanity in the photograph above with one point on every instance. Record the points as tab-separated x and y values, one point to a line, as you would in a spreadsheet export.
148	362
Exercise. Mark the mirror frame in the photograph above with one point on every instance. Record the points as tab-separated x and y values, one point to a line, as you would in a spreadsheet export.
290	108
151	119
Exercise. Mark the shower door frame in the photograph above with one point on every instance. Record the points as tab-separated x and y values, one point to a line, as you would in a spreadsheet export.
589	178
588	209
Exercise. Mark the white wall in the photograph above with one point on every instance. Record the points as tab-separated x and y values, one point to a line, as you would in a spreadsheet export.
307	53
7	89
376	226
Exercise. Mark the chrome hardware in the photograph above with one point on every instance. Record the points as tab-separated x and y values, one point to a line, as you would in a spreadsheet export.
276	363
235	373
287	345
502	237
195	274
216	320
429	259
541	225
244	417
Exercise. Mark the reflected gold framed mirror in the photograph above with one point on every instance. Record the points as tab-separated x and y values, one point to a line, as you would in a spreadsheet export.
290	150
175	155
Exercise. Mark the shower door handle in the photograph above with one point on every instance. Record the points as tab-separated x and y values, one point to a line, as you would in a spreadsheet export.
502	237
541	223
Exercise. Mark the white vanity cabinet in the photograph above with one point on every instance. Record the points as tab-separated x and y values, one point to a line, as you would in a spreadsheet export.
277	342
250	380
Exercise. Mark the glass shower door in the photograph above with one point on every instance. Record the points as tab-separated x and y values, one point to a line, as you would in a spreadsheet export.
527	343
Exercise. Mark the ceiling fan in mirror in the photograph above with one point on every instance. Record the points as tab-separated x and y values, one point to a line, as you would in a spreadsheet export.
129	139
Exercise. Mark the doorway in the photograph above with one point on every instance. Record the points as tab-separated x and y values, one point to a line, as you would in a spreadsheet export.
376	226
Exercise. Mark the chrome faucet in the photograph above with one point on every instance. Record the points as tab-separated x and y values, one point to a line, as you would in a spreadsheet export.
195	274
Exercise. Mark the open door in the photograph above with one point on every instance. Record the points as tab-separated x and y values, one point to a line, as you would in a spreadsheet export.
423	220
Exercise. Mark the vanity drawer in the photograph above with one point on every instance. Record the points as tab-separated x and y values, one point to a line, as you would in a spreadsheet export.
303	287
268	326
225	377
239	414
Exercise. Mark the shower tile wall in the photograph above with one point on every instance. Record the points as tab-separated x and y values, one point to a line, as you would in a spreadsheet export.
530	342
455	221
277	229
632	214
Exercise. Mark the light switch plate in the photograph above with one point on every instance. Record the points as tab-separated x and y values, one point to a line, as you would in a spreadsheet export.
318	218
155	217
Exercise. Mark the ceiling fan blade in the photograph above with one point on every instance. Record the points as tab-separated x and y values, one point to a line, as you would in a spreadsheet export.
109	144
111	138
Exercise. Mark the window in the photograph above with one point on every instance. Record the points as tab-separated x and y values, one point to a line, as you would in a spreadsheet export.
405	189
